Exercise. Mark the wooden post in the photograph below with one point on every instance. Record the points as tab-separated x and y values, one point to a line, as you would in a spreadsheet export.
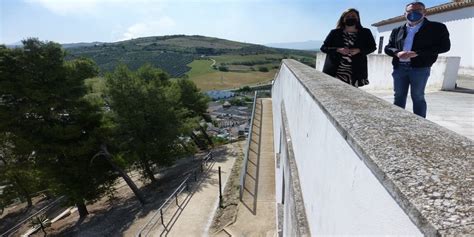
220	188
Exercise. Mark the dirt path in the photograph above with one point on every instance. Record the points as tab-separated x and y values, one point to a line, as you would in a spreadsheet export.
193	217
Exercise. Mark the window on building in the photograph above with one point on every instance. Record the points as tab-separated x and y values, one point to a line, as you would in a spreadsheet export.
380	44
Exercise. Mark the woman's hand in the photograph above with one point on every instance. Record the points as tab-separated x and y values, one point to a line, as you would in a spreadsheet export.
354	51
343	51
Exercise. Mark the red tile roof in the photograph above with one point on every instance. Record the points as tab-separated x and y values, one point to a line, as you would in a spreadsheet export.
430	11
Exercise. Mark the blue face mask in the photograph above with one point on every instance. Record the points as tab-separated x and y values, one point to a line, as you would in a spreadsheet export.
414	16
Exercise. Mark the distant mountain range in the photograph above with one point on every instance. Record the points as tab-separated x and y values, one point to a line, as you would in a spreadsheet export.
173	53
305	45
66	46
14	45
82	44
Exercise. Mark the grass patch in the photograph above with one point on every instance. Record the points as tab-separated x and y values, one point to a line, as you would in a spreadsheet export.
243	58
229	80
200	67
239	73
207	78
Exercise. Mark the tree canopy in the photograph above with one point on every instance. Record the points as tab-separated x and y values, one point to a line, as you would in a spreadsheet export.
58	122
146	111
43	112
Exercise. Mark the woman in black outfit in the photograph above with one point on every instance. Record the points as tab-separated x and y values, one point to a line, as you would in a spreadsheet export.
347	47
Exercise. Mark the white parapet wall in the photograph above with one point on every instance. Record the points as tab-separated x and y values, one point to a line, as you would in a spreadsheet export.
363	166
444	72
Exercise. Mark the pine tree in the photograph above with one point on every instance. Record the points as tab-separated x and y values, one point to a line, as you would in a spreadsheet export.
146	111
43	103
196	104
18	170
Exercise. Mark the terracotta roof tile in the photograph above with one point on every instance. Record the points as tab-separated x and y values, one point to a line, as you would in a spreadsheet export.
430	11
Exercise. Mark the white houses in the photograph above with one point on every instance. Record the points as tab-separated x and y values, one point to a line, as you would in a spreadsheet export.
458	16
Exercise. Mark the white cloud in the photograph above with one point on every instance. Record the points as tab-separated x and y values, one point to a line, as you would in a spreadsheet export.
66	7
162	26
99	7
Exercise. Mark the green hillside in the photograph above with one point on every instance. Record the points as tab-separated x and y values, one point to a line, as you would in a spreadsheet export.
211	63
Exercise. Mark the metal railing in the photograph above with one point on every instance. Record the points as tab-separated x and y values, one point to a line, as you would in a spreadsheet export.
12	230
249	141
204	167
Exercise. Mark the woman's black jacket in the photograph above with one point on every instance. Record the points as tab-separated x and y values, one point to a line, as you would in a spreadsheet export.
364	41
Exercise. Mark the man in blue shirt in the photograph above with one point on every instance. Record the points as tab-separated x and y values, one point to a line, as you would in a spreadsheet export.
414	47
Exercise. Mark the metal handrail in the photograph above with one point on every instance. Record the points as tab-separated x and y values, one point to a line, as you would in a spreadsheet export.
249	139
15	228
208	156
166	204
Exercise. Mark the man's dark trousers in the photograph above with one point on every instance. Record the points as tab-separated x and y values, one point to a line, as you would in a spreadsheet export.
404	77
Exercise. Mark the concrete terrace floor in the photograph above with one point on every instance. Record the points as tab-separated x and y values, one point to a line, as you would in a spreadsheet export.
453	110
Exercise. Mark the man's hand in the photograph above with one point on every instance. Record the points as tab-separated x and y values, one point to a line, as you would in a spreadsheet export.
406	54
343	51
412	54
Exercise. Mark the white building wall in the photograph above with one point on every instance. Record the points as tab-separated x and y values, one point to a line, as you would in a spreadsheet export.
460	24
277	141
341	195
443	74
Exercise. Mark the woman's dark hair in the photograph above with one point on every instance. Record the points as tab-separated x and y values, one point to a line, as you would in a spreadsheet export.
340	22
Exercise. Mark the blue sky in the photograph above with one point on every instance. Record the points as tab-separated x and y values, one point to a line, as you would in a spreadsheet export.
253	21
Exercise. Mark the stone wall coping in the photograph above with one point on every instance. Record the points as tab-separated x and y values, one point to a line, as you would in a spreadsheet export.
427	169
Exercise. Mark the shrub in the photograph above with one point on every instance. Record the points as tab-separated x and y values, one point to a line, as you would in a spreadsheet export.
219	140
223	68
236	102
245	89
